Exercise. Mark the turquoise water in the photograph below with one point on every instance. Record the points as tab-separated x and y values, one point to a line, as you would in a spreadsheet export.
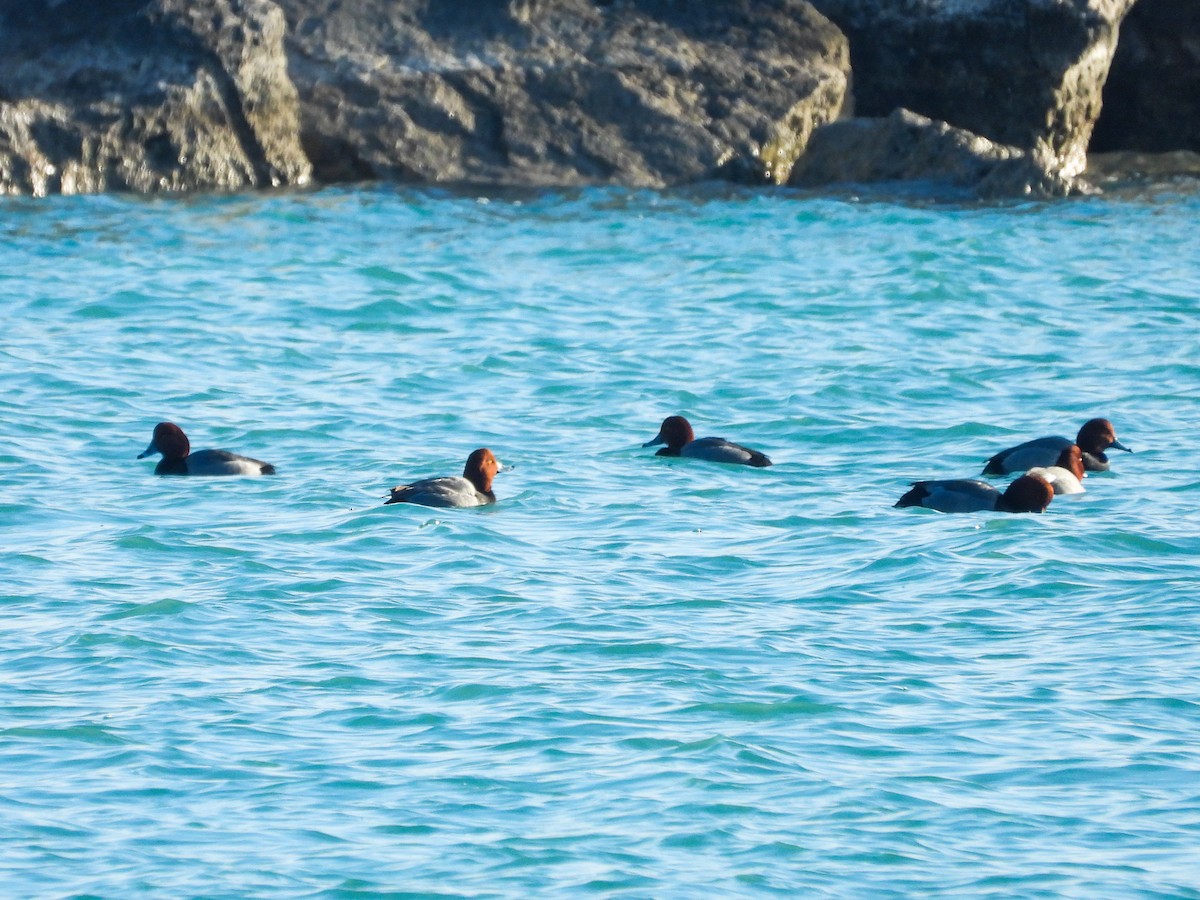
632	677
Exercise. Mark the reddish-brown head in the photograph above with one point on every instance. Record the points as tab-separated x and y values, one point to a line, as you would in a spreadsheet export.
674	432
1071	459
1096	436
169	440
482	466
1028	494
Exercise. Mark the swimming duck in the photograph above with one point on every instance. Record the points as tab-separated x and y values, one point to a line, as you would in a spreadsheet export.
676	432
1096	436
1066	476
474	488
177	458
1026	494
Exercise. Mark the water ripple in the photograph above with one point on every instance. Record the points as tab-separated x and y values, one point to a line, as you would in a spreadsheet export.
633	675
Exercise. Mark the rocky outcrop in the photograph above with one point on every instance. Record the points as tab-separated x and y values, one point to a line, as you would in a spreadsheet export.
167	96
174	95
1026	73
1152	96
1129	170
635	92
908	147
197	94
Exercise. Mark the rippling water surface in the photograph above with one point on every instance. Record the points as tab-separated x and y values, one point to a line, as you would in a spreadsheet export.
632	676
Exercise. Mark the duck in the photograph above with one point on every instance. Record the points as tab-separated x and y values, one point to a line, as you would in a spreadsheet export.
1066	475
1095	436
474	488
1027	494
177	459
676	432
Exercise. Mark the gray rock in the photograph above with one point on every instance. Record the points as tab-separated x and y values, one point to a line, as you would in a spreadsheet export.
635	92
171	95
1027	73
1030	175
1129	168
1152	96
908	147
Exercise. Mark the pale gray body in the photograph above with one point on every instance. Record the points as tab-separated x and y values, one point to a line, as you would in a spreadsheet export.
450	491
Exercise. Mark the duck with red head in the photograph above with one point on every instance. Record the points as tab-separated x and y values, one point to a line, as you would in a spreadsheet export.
1028	494
474	488
680	440
177	458
1066	476
1096	436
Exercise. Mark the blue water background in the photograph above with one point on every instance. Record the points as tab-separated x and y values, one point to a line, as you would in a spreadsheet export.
632	677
